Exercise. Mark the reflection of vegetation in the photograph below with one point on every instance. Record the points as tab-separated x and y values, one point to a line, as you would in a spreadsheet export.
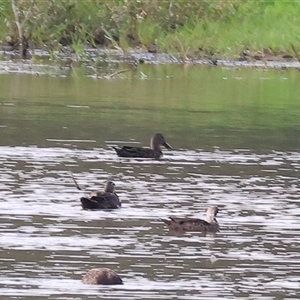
192	28
193	107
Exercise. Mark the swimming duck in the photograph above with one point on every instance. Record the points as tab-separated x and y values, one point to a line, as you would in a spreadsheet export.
154	151
102	276
193	224
107	199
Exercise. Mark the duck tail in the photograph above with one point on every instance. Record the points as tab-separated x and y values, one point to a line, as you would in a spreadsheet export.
116	149
167	222
87	203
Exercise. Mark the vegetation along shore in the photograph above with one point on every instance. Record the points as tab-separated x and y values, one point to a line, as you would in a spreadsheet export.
230	29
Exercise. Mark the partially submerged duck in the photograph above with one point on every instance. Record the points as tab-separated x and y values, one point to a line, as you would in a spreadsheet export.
154	151
193	224
104	276
107	199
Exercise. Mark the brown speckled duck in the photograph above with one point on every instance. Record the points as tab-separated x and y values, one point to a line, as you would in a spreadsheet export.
154	151
107	199
193	224
103	276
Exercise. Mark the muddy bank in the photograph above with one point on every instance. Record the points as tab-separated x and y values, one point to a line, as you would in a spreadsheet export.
42	62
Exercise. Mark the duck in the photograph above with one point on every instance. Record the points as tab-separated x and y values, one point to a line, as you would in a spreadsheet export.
103	276
192	224
107	199
154	151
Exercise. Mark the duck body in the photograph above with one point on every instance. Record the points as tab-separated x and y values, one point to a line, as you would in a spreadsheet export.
191	224
103	276
102	201
127	151
107	199
154	151
194	224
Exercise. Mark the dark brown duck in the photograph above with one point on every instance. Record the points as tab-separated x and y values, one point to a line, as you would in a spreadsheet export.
107	199
193	224
154	151
103	276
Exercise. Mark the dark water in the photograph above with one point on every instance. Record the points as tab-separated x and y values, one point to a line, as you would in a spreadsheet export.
236	144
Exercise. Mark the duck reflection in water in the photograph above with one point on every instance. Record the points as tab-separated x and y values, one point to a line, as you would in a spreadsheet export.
211	225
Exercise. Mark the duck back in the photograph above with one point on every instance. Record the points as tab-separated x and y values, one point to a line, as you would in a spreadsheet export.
101	201
103	276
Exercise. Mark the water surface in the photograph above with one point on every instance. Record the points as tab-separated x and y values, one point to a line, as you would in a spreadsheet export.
235	138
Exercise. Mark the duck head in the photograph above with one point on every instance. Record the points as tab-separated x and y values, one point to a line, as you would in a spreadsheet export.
211	214
158	140
109	187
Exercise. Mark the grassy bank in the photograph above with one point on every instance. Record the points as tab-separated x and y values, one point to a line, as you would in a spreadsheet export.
190	29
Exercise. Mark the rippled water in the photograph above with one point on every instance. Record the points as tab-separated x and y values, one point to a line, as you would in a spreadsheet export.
48	241
235	139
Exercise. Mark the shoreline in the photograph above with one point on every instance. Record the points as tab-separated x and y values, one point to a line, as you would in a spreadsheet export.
10	61
248	33
138	56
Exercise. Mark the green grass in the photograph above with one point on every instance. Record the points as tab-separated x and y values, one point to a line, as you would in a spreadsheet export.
190	29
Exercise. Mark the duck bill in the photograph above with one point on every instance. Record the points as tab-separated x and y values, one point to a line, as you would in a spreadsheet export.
168	146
